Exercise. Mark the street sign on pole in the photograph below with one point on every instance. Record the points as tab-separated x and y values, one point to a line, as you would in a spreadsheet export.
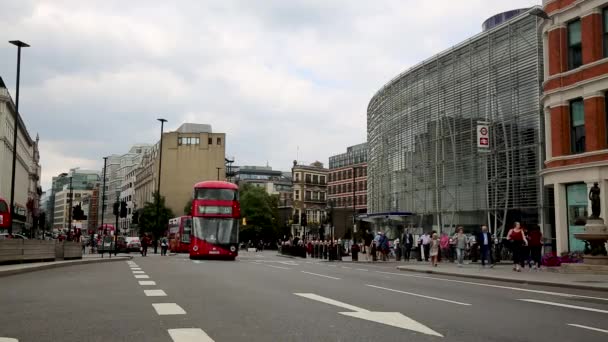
483	136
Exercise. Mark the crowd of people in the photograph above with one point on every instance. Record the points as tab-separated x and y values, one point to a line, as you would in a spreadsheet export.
525	246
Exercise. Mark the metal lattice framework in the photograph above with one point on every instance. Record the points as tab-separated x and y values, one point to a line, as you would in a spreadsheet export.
423	154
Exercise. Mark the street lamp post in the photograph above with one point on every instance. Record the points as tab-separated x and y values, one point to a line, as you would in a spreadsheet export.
71	204
19	44
218	172
160	164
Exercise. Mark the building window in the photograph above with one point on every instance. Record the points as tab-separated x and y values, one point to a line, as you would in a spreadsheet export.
297	195
575	54
315	179
219	141
322	179
179	141
307	198
605	32
210	141
307	178
322	198
577	126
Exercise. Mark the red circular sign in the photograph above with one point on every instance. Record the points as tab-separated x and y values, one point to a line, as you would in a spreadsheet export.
483	131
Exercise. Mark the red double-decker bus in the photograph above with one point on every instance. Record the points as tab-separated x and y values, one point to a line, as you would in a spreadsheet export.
5	214
180	229
215	220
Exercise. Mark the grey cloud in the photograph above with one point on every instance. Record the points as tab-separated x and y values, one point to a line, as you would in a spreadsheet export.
273	75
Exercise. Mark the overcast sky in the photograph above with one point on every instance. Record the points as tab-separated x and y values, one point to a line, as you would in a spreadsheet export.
272	74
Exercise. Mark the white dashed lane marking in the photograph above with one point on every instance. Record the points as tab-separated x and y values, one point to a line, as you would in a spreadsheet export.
283	268
142	276
155	293
588	328
320	275
418	295
8	339
147	283
168	309
138	272
189	335
135	269
564	305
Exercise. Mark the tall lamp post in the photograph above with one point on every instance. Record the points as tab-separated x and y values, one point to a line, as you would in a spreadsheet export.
160	167
218	172
19	44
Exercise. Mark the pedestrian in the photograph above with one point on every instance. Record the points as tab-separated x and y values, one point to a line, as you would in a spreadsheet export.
145	242
155	245
164	246
367	244
397	248
384	246
83	243
460	242
425	244
354	249
535	241
373	250
434	249
407	241
518	242
484	240
444	245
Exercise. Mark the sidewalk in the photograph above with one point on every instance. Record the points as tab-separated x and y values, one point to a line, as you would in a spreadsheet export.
505	273
7	270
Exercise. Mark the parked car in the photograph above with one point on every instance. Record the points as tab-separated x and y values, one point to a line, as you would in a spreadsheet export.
133	244
4	236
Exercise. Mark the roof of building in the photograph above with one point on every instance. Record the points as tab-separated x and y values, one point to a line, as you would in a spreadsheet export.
12	106
194	128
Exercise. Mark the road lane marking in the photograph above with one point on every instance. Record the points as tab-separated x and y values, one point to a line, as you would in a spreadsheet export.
320	275
155	293
283	268
346	267
332	265
559	294
139	272
135	269
361	269
564	305
8	339
168	309
418	295
142	276
147	282
589	328
198	262
189	335
330	301
395	319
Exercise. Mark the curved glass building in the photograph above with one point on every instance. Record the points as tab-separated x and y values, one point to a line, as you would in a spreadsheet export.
422	130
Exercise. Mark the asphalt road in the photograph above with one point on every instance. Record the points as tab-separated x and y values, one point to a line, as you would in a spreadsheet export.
262	297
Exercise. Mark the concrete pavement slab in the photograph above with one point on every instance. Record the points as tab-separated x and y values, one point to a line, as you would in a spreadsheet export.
7	270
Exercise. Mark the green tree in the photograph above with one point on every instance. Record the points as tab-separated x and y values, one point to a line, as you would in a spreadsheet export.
188	208
155	217
260	210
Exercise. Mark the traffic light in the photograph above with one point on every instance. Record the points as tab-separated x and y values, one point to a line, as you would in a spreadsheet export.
135	217
123	209
116	207
304	220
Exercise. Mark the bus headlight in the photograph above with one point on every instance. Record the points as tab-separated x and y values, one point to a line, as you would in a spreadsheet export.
195	248
232	249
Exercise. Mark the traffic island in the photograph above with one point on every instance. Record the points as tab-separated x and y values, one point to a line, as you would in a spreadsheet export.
8	270
597	282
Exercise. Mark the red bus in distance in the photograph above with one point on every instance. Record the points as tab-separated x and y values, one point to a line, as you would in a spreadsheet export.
180	229
215	220
5	214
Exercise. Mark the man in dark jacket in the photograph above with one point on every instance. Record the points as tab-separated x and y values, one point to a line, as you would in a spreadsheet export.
484	241
407	241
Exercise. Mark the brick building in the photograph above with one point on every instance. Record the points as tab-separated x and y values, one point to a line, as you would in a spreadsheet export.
574	102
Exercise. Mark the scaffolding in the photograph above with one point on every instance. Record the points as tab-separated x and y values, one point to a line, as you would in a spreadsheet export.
422	134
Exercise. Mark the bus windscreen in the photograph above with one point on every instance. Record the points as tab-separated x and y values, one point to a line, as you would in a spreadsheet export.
216	194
